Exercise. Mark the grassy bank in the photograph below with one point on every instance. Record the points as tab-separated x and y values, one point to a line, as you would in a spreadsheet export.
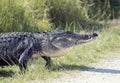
40	15
77	59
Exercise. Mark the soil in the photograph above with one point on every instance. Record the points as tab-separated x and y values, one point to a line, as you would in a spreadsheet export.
105	71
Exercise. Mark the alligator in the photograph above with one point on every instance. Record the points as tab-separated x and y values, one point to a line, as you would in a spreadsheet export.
16	48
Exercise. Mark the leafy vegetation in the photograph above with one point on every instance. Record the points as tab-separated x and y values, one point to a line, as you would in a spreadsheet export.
79	58
40	15
23	15
76	15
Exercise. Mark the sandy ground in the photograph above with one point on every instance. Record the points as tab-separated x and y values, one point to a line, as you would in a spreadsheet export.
105	71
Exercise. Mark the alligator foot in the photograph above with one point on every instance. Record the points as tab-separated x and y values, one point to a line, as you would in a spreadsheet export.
23	68
48	61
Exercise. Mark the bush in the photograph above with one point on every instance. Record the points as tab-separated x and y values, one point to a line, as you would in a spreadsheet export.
64	12
115	8
79	13
23	15
11	17
40	15
36	11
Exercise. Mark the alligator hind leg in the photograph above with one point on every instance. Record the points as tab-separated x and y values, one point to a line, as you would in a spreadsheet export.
48	61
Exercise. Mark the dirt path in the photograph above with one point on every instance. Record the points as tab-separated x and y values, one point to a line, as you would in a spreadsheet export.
106	71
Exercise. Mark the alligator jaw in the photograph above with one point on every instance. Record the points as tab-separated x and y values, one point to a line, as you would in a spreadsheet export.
90	38
58	53
63	44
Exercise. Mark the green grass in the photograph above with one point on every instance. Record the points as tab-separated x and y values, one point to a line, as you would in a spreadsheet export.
24	15
40	15
79	58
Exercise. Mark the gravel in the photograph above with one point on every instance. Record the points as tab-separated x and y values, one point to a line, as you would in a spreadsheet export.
105	71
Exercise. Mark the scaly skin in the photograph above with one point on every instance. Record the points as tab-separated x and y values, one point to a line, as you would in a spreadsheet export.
18	47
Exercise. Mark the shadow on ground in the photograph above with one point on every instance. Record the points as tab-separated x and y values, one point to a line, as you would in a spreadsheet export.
4	73
68	67
85	68
102	70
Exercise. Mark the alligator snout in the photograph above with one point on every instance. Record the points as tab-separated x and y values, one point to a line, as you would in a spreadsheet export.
95	34
88	36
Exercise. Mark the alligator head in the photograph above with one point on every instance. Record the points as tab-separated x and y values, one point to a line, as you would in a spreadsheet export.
67	39
61	41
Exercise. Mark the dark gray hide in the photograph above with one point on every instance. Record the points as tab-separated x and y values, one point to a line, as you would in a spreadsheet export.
18	47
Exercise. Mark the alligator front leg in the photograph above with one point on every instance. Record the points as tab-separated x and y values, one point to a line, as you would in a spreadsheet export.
24	58
48	61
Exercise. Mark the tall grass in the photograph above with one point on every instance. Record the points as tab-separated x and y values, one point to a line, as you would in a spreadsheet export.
37	13
23	15
67	11
79	58
80	13
40	15
115	9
